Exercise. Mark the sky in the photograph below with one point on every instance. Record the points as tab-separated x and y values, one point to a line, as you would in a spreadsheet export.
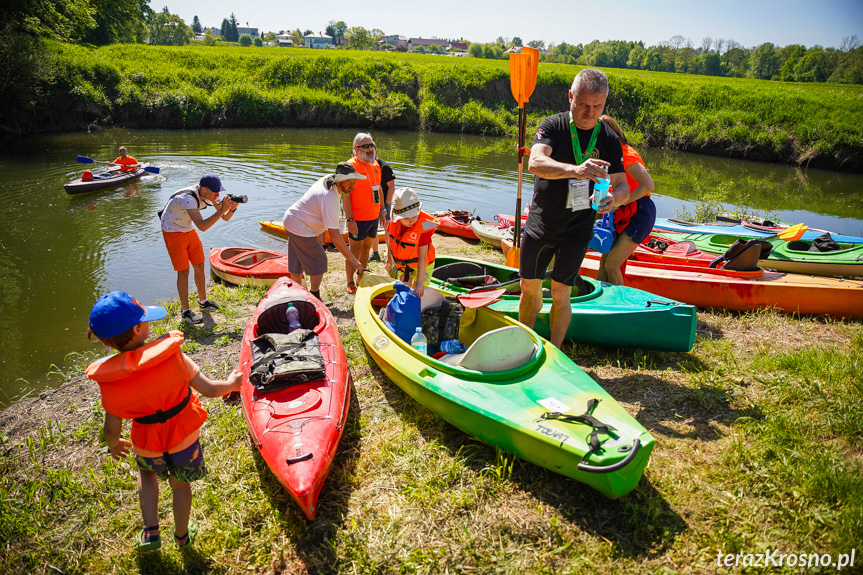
749	22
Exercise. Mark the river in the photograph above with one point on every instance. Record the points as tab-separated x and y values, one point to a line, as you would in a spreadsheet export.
58	253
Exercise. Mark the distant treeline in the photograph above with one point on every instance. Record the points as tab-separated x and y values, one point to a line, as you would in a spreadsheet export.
72	87
719	57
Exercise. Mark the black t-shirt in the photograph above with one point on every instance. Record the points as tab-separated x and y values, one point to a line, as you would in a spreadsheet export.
549	217
387	175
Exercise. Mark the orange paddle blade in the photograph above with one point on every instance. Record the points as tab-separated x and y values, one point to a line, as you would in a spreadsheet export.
522	74
513	257
532	67
792	233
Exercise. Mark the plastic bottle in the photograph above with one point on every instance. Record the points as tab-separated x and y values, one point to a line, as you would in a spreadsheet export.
293	315
452	346
600	190
419	342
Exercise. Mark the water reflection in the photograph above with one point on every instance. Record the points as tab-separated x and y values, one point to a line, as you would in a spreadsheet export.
58	253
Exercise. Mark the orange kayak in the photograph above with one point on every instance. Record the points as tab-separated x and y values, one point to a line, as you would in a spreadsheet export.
278	228
248	265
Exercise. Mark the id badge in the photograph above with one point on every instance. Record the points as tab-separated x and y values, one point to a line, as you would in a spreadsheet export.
376	194
578	197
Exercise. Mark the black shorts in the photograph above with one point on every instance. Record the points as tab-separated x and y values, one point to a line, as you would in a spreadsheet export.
365	229
537	254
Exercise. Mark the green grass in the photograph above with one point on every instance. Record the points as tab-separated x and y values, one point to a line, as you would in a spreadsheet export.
199	86
758	433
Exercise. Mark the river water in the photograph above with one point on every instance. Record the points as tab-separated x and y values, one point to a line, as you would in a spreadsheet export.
58	253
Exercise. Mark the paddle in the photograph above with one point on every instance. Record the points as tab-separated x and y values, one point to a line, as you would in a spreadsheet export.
522	79
506	283
86	160
483	298
791	233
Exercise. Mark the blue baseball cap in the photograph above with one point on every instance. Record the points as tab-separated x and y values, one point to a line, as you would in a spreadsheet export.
213	183
117	312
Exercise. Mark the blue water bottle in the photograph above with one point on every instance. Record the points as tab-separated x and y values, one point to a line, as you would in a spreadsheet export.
600	190
452	346
293	315
419	342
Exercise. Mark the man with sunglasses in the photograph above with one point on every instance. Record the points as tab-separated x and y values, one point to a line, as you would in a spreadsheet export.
364	207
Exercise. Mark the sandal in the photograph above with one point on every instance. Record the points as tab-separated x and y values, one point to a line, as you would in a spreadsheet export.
187	539
151	543
352	287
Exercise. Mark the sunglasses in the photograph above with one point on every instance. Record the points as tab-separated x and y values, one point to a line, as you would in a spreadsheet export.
367	147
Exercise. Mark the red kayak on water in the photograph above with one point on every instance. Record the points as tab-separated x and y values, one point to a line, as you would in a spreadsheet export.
456	223
296	389
248	265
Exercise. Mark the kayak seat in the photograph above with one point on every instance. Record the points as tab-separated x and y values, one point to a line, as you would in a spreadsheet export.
274	319
458	270
798	246
497	350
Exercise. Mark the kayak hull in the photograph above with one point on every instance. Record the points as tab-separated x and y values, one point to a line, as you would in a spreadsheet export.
117	178
456	223
742	291
297	429
607	315
509	409
278	228
489	233
742	230
248	266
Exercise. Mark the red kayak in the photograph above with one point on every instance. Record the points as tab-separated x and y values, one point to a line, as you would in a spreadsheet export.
456	223
297	428
248	265
508	220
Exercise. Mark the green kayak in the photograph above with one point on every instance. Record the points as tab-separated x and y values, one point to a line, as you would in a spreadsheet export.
513	390
603	314
793	257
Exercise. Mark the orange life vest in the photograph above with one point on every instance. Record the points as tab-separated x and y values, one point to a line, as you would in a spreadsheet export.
405	247
144	381
127	161
362	199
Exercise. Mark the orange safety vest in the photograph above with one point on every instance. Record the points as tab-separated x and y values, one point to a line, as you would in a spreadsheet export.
144	381
362	200
127	161
405	247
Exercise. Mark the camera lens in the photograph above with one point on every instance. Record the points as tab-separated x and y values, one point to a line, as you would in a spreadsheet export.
239	199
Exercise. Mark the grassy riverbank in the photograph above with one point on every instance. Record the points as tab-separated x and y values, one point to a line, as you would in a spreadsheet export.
199	86
759	442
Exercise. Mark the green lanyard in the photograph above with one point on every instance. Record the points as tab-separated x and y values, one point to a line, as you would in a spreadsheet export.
576	143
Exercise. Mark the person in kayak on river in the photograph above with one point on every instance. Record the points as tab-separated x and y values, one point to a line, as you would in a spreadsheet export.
634	219
182	211
151	384
316	211
127	163
410	253
364	207
571	151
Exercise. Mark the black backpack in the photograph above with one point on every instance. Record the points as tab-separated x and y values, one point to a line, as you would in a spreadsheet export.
743	255
281	360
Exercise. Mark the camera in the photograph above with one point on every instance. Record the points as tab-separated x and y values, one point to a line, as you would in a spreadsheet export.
239	199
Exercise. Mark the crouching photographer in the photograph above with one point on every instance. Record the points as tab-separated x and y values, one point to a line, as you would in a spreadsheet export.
179	218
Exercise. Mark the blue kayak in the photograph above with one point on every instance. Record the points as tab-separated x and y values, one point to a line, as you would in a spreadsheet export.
742	230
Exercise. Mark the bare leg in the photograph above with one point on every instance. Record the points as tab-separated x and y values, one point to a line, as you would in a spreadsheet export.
623	248
183	287
315	282
561	312
200	281
530	302
182	500
299	278
148	495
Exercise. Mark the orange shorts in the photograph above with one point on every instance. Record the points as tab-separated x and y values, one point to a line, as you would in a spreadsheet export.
184	247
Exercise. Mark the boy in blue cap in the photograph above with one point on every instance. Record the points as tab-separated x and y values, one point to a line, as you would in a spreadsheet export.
151	384
179	218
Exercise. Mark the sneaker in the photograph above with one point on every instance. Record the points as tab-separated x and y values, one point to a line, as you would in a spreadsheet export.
352	287
376	257
207	304
192	317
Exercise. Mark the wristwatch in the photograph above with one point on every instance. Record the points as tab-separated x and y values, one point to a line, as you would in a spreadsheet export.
351	220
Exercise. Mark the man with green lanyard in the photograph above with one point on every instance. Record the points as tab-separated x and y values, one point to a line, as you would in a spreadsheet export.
571	151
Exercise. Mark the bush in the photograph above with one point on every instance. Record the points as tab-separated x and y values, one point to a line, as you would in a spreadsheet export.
258	41
246	40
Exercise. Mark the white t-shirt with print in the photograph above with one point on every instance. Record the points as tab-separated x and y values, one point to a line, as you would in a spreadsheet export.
316	211
176	218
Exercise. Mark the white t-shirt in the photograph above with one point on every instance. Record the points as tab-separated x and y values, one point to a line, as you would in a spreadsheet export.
315	212
175	218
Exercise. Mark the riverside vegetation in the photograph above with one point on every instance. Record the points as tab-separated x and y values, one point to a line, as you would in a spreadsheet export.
73	87
759	443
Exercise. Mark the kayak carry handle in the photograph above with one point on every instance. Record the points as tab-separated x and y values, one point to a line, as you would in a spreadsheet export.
636	445
659	302
306	457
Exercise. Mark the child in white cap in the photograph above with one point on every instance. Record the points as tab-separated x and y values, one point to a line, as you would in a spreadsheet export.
410	253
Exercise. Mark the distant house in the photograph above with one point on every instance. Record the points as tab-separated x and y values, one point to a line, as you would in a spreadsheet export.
284	40
246	30
415	43
458	46
214	31
318	41
394	40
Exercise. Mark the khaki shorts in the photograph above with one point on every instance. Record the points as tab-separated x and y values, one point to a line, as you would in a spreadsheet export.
184	247
306	255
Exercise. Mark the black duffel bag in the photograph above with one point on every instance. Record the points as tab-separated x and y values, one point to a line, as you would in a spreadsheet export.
281	360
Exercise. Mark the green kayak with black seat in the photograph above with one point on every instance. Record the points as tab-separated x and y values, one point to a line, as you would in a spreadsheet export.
603	314
513	390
